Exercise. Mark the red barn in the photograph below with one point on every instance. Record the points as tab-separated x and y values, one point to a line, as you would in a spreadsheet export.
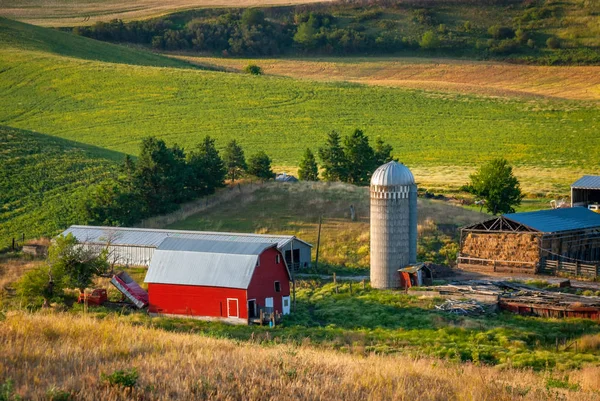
217	280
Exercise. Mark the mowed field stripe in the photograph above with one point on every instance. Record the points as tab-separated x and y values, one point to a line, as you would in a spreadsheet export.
484	78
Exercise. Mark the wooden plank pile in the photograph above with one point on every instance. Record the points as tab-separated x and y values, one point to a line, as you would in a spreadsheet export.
516	297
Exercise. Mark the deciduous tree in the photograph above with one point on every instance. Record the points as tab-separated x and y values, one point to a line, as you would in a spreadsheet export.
495	183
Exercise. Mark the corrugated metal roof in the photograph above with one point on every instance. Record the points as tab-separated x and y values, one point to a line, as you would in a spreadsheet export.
392	173
556	220
206	263
587	182
212	246
154	237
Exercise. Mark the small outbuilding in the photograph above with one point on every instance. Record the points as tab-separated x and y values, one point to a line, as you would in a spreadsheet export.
218	280
546	241
586	191
415	276
283	177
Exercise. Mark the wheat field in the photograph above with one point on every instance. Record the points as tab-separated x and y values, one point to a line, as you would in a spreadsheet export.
55	352
58	14
460	76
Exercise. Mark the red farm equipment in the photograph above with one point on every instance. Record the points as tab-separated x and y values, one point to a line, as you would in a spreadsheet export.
97	297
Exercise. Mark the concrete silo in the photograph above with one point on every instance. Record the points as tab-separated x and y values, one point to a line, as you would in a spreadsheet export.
393	223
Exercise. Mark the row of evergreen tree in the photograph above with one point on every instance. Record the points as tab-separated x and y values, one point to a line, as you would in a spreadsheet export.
164	177
351	160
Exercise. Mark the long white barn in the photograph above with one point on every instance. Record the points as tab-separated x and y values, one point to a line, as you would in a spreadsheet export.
136	246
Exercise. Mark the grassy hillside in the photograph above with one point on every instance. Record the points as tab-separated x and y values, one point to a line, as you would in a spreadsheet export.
53	354
437	74
114	106
19	36
295	209
41	181
547	32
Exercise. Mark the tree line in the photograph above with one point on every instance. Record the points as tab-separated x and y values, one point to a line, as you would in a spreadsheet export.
351	159
163	177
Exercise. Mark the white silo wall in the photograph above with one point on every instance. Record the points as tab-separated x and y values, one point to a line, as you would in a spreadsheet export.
393	232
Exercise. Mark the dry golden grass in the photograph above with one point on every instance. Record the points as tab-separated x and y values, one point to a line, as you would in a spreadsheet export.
483	78
68	352
590	342
11	269
56	13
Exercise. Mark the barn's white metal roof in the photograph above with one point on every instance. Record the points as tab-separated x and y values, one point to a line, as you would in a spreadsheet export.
392	173
152	238
205	263
587	182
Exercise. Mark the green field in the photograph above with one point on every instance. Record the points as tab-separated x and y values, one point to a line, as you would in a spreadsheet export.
41	181
114	106
54	83
17	35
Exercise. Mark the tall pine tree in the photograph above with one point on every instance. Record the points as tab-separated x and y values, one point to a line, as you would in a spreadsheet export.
308	169
207	169
235	161
359	158
333	159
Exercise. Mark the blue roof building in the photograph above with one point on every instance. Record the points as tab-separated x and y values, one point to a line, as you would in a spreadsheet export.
545	241
586	191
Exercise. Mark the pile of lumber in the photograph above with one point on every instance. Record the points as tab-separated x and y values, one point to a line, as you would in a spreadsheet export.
514	297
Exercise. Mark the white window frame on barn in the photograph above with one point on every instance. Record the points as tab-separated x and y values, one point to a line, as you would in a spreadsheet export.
278	259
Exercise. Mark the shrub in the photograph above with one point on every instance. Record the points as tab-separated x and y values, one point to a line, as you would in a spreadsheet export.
501	32
506	46
124	378
467	26
531	43
430	40
553	43
424	16
7	391
55	394
253	69
521	36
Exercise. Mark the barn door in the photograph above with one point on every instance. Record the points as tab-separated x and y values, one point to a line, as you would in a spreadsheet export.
233	309
285	302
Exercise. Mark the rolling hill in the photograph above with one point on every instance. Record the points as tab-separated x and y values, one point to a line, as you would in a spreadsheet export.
25	37
41	182
40	12
56	83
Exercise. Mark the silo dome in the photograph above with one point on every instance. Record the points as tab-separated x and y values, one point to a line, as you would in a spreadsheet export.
392	173
393	223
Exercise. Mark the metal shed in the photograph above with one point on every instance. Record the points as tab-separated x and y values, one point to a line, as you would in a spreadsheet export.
546	241
586	191
136	246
